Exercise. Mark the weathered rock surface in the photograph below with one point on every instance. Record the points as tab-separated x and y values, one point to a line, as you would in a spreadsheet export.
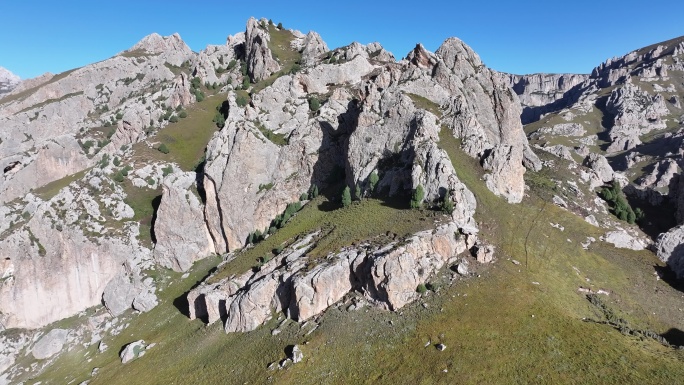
132	351
670	249
387	275
8	81
49	344
314	47
181	233
260	61
128	290
599	164
623	240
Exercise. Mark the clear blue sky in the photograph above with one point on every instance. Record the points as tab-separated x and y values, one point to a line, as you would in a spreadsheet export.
522	36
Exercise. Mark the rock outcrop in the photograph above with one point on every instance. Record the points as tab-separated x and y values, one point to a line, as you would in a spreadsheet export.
260	61
182	236
670	249
386	275
49	344
8	81
132	351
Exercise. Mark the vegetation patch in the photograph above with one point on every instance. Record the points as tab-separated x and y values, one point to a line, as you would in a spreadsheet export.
425	104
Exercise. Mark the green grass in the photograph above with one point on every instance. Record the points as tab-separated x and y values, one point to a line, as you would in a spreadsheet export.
515	324
187	139
363	220
51	189
425	103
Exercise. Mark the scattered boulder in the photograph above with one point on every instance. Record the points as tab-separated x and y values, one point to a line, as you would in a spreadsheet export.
49	344
463	267
670	249
484	253
441	347
132	351
296	354
623	240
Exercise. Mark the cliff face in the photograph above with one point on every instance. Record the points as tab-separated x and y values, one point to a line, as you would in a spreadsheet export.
8	81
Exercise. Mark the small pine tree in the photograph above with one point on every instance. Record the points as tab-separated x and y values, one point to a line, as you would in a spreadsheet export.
373	179
245	83
303	197
250	238
346	197
313	191
447	204
417	197
357	193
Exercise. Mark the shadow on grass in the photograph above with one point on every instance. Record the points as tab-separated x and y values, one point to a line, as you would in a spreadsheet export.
181	302
674	337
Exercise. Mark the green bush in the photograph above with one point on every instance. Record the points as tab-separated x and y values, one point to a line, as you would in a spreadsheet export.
219	120
118	177
303	197
173	119
357	193
346	197
313	191
280	25
163	149
421	288
117	161
373	180
314	103
447	204
245	83
417	197
167	170
241	101
618	201
183	114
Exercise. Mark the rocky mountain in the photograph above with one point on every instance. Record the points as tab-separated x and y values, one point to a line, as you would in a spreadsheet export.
272	183
8	81
629	109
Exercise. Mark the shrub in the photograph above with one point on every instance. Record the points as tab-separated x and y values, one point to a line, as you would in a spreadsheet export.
241	101
245	83
118	177
357	193
231	65
314	103
447	204
346	197
117	161
167	170
421	288
417	197
303	197
280	25
183	114
373	179
313	191
163	149
620	206
173	119
219	120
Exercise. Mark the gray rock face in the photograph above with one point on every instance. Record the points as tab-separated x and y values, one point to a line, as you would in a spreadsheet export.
599	164
623	240
538	93
297	355
260	61
49	344
387	275
8	81
132	351
128	290
314	47
670	249
182	235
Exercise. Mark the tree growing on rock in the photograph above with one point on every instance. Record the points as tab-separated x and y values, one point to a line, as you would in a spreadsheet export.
373	180
346	197
417	197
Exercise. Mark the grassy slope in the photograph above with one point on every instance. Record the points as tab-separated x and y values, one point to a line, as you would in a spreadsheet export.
487	323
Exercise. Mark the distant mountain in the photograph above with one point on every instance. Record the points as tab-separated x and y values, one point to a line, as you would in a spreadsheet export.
8	81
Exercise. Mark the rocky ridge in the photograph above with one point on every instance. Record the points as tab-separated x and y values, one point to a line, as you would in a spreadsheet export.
349	113
628	112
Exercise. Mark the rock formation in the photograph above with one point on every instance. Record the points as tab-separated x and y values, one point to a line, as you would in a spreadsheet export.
8	81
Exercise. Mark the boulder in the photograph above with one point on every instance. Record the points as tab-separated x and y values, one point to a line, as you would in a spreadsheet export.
623	240
132	351
599	164
669	248
49	344
296	355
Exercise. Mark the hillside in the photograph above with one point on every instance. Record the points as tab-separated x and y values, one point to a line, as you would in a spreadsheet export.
271	210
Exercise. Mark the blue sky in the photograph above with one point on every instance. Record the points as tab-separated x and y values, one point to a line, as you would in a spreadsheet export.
512	36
